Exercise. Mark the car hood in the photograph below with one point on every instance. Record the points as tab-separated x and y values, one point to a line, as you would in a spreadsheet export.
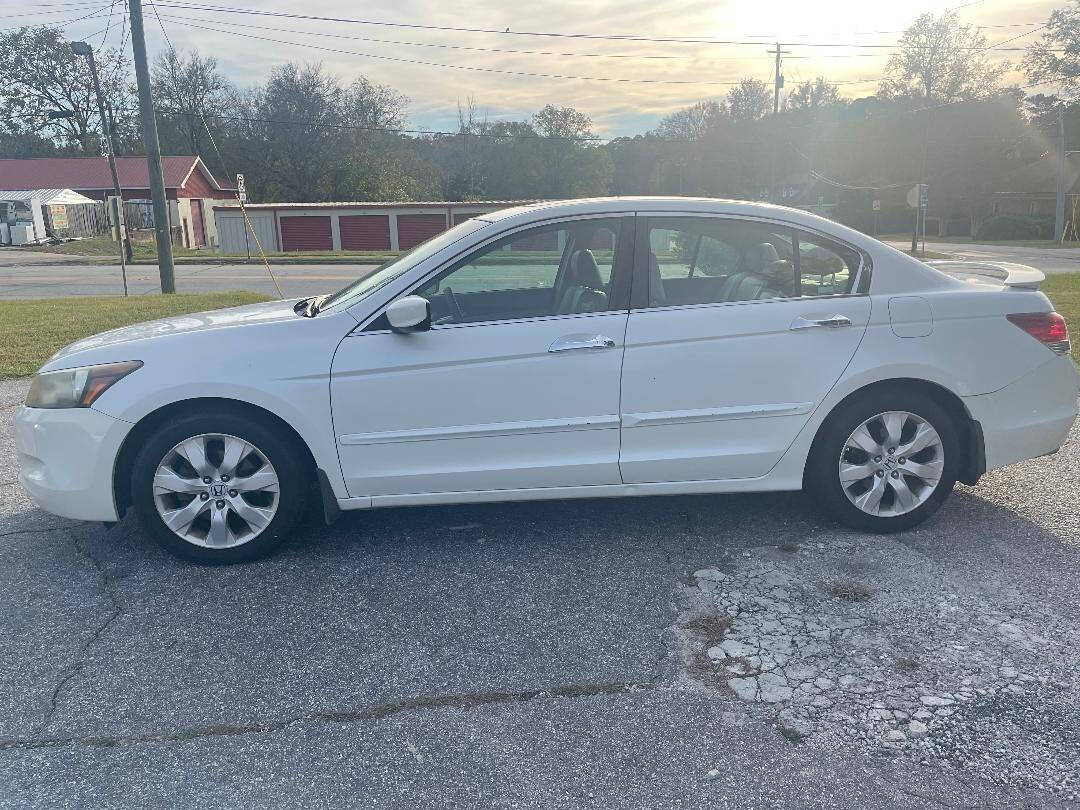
251	314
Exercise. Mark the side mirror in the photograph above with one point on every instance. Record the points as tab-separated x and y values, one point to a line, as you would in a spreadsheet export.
409	314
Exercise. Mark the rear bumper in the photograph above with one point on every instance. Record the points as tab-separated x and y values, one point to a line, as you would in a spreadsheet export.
66	459
1029	418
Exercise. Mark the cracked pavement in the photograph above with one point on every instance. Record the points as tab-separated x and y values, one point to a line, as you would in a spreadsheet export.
537	655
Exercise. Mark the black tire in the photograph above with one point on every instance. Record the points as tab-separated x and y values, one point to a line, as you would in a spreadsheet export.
280	451
822	478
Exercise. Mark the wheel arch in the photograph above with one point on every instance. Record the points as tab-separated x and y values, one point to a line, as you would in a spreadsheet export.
973	464
125	458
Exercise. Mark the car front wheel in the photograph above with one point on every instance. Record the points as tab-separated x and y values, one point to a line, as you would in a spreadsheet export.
885	462
218	487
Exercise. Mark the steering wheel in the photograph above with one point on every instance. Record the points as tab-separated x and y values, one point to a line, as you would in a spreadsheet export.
459	316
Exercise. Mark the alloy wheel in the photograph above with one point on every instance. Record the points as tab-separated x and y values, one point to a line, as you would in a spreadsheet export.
216	491
891	463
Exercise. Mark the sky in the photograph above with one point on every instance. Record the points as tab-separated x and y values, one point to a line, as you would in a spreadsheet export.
664	76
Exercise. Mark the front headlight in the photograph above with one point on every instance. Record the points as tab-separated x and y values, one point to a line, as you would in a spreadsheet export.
76	387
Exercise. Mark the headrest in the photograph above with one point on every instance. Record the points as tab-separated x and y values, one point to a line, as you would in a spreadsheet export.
585	271
759	257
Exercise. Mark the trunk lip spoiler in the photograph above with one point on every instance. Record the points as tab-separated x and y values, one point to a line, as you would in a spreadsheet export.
1009	274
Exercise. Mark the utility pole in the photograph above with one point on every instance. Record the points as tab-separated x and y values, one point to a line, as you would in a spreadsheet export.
778	82
1059	209
778	79
153	149
83	49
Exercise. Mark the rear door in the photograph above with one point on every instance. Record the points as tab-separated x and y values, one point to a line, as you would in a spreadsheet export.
738	329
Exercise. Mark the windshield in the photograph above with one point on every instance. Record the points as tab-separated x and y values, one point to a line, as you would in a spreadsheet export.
389	271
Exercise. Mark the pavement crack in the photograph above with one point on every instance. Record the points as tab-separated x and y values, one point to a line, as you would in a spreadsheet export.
378	711
42	530
80	658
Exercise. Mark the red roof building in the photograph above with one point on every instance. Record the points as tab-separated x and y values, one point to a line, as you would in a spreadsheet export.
188	183
185	176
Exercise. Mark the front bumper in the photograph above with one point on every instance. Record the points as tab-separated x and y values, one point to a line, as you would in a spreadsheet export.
1031	417
66	459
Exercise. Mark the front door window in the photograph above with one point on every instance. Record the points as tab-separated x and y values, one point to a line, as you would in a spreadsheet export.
563	269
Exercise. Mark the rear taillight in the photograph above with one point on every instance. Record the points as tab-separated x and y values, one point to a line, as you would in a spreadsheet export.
1048	328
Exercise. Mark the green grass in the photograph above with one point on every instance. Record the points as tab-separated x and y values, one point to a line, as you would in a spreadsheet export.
31	330
1064	290
103	246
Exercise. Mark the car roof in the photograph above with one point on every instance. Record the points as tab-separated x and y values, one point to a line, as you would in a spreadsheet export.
661	205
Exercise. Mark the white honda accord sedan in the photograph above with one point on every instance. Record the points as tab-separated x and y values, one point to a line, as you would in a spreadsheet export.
590	348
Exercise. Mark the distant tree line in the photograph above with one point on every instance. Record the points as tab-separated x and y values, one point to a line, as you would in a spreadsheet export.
941	115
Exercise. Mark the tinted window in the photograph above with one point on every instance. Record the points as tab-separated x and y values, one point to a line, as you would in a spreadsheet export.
561	269
700	260
825	267
704	260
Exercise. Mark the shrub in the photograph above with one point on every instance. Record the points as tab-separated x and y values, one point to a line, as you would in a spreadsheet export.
1013	226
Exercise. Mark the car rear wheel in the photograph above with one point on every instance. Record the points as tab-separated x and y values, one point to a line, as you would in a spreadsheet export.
885	462
218	488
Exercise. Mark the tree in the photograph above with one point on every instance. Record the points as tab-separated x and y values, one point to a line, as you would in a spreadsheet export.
42	74
188	91
692	123
1056	56
941	61
811	95
750	100
573	167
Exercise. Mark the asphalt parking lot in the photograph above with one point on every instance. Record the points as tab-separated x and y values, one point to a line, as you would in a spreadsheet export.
734	651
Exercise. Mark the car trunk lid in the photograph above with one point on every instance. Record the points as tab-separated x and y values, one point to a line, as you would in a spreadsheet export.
1005	274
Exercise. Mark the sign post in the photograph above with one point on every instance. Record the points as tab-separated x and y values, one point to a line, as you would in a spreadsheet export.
918	198
877	208
241	196
924	200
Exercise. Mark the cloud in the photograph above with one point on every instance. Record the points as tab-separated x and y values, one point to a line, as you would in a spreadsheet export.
616	107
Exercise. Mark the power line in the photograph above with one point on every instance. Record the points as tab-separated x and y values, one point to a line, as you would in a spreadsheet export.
108	25
176	18
474	68
508	32
182	20
390	130
63	23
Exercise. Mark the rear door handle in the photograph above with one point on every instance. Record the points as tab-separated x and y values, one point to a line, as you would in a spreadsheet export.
832	322
569	343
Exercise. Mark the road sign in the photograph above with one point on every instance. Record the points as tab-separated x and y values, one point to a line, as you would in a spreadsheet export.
918	197
877	205
241	191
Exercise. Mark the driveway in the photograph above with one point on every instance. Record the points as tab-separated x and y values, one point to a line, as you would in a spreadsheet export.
19	279
735	651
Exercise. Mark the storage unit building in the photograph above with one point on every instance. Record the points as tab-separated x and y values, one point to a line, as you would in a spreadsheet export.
357	226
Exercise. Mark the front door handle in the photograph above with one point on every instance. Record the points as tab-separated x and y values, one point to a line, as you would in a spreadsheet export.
832	322
569	343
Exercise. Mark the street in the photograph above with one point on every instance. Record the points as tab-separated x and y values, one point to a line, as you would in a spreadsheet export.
551	654
24	274
1049	260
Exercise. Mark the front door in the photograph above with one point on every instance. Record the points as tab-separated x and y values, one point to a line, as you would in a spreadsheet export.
515	386
745	329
